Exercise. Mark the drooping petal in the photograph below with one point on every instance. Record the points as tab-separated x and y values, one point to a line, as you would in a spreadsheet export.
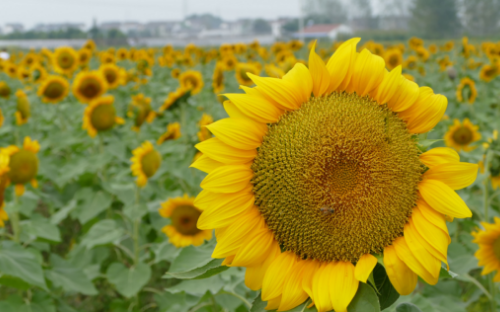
276	274
254	275
321	287
227	208
443	199
293	294
400	275
427	111
301	81
233	111
433	216
206	164
340	65
386	90
405	95
256	107
319	73
433	235
456	175
216	149
311	266
273	304
438	156
364	267
369	71
239	133
404	253
343	285
255	249
227	179
422	250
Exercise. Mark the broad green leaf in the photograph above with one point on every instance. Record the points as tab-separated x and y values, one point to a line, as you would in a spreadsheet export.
209	269
100	202
165	251
192	258
425	144
63	274
407	307
128	281
102	233
365	300
18	262
62	213
41	228
386	293
14	282
198	287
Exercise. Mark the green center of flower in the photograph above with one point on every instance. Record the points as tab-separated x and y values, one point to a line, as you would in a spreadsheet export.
65	60
23	167
54	90
103	117
184	219
23	107
150	163
4	90
466	92
462	136
111	76
90	88
496	248
337	178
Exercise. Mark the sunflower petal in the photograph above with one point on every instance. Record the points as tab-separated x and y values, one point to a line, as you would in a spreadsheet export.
216	149
404	253
364	267
443	199
319	73
239	133
254	249
433	236
422	250
456	175
256	107
434	217
227	179
438	156
206	164
369	71
400	275
386	90
340	65
254	276
321	287
343	285
275	277
405	95
293	294
427	111
227	208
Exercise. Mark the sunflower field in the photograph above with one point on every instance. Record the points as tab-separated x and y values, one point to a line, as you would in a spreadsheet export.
355	176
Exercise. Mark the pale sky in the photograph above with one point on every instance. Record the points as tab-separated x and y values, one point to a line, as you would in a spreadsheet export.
32	12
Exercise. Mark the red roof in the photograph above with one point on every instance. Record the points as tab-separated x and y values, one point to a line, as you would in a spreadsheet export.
321	28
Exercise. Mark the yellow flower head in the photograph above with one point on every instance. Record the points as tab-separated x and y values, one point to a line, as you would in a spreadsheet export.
84	56
218	78
315	173
23	111
113	74
145	163
4	90
183	215
411	62
100	116
242	70
140	109
24	74
229	61
488	72
489	248
175	73
38	73
460	136
90	45
204	134
23	164
122	54
172	98
393	58
173	133
466	90
191	80
53	89
89	86
65	60
274	71
11	69
4	180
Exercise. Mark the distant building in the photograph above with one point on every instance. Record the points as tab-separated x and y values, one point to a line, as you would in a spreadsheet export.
393	22
330	31
12	28
162	28
58	27
128	28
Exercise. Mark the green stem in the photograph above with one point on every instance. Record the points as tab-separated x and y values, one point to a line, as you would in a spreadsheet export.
135	235
492	292
15	220
485	199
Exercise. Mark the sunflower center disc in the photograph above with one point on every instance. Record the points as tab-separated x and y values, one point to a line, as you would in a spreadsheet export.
184	219
496	248
90	88
103	117
462	136
150	163
23	167
337	178
54	90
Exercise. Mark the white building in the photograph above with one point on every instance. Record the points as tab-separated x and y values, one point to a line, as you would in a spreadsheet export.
330	31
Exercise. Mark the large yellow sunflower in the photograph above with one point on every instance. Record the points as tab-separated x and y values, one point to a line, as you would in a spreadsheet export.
23	164
489	248
461	135
100	116
241	72
53	89
89	86
191	80
173	133
315	173
113	74
65	60
23	111
184	215
145	163
466	90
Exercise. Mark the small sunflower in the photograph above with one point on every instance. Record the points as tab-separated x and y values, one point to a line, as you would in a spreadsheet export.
204	134
84	56
191	80
172	98
140	109
65	60
314	173
53	89
393	58
461	135
88	86
11	69
422	53
24	74
23	108
488	72
107	57
113	74
411	62
229	61
175	73
4	180
173	133
38	73
122	54
242	70
100	116
145	163
4	90
489	248
182	230
23	164
90	45
466	90
218	79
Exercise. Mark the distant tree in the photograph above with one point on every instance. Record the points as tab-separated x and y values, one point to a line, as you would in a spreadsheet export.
115	34
207	20
291	26
481	17
435	19
261	26
325	12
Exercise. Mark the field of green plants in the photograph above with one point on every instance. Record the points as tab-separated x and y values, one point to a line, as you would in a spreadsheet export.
96	148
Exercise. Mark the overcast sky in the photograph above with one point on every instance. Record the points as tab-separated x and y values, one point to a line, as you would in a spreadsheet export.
32	12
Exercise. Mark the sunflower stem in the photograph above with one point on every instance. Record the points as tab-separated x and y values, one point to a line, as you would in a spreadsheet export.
486	201
135	235
16	229
492	292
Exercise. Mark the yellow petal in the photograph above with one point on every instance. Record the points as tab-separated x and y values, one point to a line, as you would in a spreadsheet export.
433	235
227	208
436	218
19	189
321	287
456	175
224	153
239	133
254	276
422	250
233	111
255	249
405	95
343	285
340	65
386	90
293	294
206	164
369	71
227	179
301	81
364	267
404	253
256	107
427	111
273	304
274	280
319	73
402	278
311	266
443	199
206	199
438	156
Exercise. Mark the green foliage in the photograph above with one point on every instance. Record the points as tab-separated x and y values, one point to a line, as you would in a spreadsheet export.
435	19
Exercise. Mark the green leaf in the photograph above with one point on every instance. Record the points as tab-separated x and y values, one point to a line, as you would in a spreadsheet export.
100	202
128	281
258	305
192	258
365	300
69	278
211	268
198	287
42	228
165	251
18	262
387	294
102	233
14	282
62	213
407	307
425	144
